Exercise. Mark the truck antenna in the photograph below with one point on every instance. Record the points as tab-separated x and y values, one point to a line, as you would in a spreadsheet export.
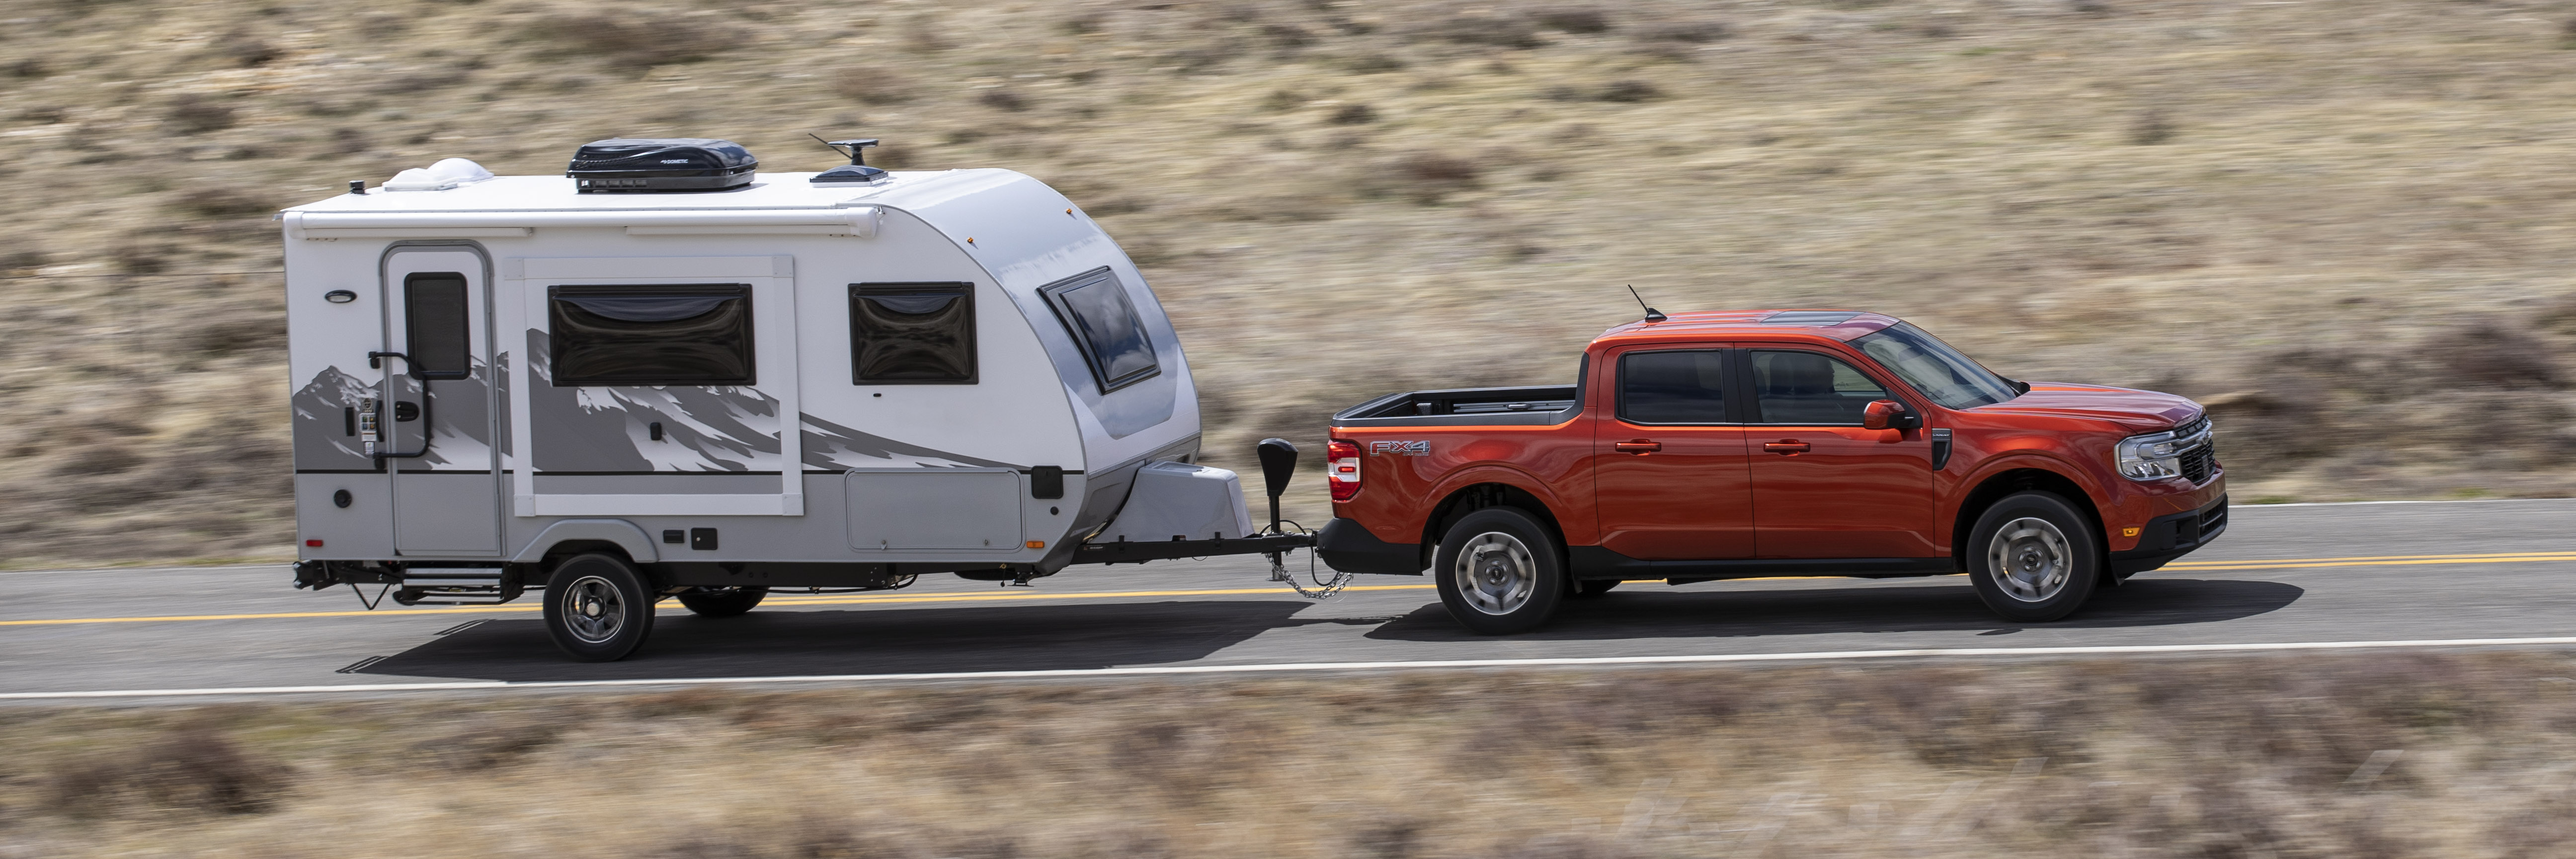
1652	315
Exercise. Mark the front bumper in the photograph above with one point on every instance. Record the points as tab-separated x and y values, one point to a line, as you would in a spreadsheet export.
2168	537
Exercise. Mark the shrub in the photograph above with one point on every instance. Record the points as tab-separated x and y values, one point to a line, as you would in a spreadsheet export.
195	115
632	41
1425	178
1575	20
247	51
1002	99
874	84
1693	32
1369	64
1287	36
1353	114
189	768
2494	355
222	203
27	68
1506	32
1629	91
2150	128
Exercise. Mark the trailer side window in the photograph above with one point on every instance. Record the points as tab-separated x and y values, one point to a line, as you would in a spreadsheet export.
436	335
698	334
912	333
1095	308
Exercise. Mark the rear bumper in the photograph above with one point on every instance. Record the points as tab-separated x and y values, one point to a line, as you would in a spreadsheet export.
2168	537
1347	546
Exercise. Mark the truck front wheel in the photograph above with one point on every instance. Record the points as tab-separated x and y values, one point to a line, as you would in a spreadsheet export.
597	608
1500	572
2033	557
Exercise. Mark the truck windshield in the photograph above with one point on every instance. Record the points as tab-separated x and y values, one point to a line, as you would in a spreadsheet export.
1931	366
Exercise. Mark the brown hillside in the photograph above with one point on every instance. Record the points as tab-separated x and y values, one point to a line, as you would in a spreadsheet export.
2344	225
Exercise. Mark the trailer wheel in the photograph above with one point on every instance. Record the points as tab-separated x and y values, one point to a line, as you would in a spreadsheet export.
1584	589
2033	558
597	608
1500	572
722	602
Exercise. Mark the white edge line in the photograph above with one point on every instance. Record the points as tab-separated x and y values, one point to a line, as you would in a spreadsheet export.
2416	501
1147	671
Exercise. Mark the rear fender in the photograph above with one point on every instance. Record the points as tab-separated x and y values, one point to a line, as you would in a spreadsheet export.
1454	491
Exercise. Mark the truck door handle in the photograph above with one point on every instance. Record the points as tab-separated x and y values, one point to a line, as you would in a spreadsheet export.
1640	447
1788	447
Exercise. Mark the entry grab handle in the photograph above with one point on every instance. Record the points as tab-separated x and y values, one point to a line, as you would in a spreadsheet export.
375	360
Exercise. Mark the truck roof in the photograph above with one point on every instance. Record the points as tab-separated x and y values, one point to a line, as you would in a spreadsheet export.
1719	324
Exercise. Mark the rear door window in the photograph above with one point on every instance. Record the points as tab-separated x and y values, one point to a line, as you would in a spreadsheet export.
1810	389
1674	387
697	334
1096	311
912	333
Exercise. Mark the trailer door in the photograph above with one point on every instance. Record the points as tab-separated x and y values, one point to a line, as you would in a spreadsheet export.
437	423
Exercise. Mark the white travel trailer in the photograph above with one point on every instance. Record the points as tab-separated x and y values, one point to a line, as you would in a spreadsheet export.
630	383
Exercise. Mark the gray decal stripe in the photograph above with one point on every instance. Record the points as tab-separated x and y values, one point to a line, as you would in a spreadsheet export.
825	440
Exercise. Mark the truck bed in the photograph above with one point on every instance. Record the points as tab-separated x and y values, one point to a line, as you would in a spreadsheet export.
1540	406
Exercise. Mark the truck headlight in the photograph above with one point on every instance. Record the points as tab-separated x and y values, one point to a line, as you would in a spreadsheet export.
2156	456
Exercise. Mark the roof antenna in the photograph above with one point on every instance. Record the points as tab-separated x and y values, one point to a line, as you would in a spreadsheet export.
851	148
1652	315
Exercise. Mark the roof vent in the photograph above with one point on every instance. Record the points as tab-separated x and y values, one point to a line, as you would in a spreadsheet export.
857	172
447	173
645	165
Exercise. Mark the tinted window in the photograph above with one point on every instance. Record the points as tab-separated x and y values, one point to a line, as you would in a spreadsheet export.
1811	389
1095	308
1673	387
913	333
435	329
1932	367
652	335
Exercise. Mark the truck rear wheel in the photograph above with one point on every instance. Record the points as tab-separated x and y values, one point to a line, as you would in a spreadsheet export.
598	609
1500	572
2033	557
722	602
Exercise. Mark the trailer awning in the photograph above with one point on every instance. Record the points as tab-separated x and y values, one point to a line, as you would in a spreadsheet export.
853	221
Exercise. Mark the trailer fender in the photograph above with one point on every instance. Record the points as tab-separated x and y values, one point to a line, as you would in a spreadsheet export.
638	546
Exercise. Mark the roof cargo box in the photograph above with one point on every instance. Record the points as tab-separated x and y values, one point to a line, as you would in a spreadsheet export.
632	165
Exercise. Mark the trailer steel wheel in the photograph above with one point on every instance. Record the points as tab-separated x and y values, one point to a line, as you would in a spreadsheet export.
722	602
597	608
1500	572
2033	558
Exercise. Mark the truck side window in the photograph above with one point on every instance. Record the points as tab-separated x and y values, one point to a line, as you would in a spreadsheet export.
1680	387
912	333
697	334
1810	389
436	335
1095	309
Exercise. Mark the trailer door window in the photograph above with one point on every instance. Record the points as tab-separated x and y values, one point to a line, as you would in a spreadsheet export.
698	334
435	333
1095	308
912	333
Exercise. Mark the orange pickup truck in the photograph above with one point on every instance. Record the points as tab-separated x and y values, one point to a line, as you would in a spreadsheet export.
1738	444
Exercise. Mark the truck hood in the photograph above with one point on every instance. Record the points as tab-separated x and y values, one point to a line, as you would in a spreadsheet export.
2142	411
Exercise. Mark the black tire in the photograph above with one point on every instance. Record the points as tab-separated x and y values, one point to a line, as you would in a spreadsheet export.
2050	558
1513	577
598	609
722	602
1584	589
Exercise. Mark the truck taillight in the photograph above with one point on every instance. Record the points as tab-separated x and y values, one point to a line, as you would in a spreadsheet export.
1342	465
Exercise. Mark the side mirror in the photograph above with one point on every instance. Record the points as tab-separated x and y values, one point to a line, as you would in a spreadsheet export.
1888	414
1278	465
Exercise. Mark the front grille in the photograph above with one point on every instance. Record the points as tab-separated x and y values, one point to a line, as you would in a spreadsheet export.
2192	427
2199	461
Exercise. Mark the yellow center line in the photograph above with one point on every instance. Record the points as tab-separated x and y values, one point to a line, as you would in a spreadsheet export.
786	599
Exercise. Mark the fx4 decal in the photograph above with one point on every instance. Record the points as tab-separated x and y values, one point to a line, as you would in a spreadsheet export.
1400	448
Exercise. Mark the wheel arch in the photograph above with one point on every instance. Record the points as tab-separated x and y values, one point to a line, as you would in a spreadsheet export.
2021	479
1477	496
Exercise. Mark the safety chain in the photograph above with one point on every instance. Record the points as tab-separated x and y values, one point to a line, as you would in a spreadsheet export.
1279	569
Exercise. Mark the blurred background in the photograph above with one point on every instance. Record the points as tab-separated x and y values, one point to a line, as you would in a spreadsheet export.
2340	225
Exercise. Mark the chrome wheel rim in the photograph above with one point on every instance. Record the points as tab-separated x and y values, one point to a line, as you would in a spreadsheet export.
2029	559
1495	573
592	609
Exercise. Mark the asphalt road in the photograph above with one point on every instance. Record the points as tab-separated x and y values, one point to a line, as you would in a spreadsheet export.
2290	574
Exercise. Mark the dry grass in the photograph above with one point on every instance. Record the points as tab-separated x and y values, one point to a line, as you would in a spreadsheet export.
2343	756
2291	210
